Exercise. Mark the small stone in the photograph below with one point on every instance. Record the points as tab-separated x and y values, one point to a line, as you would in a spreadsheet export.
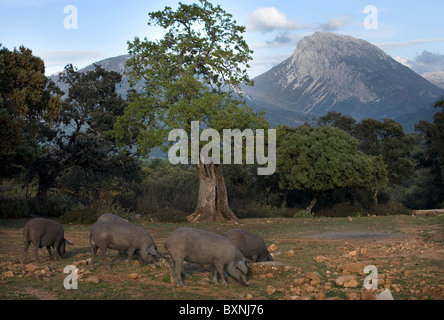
352	296
270	290
320	296
8	274
309	289
133	276
289	254
321	259
312	276
351	284
368	295
272	247
346	279
250	297
299	281
355	267
31	267
92	279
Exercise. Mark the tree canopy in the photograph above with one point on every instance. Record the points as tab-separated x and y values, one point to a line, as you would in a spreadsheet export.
326	158
27	102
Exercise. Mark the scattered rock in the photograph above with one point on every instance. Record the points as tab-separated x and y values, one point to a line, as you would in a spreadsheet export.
31	267
348	281
312	276
355	267
250	297
134	276
8	274
273	267
270	290
92	279
272	247
353	253
368	295
321	259
289	254
352	296
386	295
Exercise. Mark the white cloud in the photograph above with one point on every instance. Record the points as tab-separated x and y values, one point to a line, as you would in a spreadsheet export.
269	19
425	62
394	45
335	23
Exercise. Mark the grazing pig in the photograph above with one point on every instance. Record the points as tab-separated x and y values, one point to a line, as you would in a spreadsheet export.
44	233
107	217
202	247
251	245
122	236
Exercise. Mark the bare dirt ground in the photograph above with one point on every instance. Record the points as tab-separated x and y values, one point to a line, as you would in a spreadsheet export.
317	259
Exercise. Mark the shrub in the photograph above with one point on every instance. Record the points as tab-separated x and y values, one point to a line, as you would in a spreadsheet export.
13	208
339	210
303	214
390	209
87	214
168	214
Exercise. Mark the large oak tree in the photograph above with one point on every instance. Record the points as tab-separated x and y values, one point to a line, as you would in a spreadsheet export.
191	74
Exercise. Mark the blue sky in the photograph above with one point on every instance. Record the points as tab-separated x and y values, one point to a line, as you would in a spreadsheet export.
410	31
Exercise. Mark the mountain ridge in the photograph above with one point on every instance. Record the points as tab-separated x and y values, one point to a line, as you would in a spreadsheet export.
329	72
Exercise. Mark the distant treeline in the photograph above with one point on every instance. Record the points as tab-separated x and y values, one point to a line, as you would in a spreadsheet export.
59	158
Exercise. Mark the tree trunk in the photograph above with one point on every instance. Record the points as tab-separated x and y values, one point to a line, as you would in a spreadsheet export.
40	197
212	204
375	198
312	203
284	201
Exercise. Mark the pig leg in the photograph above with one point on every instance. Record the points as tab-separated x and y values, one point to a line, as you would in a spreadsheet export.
36	253
49	252
177	269
130	255
220	270
103	257
94	248
25	250
56	249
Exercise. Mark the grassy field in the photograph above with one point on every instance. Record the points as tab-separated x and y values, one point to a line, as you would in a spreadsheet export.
408	252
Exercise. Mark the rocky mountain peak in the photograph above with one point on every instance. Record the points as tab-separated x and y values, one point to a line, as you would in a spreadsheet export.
333	72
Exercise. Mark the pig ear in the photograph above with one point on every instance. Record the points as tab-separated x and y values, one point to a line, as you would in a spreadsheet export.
242	267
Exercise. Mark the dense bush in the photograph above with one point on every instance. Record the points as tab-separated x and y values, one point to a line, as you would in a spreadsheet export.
13	208
87	214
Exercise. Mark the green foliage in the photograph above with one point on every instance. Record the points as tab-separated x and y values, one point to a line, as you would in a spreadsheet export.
325	158
379	138
88	214
387	139
28	104
189	75
303	214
